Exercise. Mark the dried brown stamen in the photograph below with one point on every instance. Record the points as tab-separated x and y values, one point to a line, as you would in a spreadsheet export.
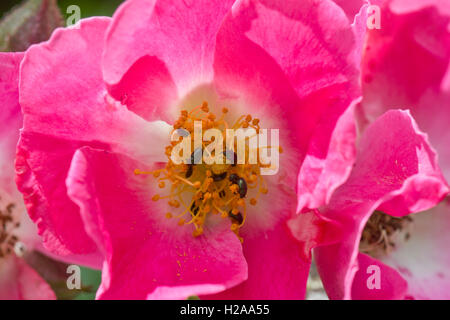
8	240
383	232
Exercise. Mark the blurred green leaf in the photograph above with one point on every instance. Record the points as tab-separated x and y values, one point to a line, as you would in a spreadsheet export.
55	274
89	8
31	22
92	279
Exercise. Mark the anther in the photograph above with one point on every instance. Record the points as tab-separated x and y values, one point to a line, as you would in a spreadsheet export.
205	107
198	232
220	177
197	184
236	216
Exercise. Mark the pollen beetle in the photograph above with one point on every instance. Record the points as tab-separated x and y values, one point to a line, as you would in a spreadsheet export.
236	217
240	182
219	177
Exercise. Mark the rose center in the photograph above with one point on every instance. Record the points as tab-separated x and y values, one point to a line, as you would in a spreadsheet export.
223	186
383	233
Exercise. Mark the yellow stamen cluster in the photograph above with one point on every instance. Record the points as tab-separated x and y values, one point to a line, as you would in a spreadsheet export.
199	190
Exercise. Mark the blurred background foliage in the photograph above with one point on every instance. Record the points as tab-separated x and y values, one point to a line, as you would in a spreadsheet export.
90	279
91	8
88	8
23	23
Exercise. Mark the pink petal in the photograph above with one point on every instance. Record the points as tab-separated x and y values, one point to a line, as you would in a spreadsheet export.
407	6
92	260
445	86
391	287
351	7
10	118
65	108
276	269
147	89
138	240
177	38
256	47
360	29
320	176
271	36
405	66
81	111
19	282
395	169
312	229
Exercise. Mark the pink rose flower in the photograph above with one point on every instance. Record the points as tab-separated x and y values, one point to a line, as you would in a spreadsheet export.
18	234
405	65
411	56
100	102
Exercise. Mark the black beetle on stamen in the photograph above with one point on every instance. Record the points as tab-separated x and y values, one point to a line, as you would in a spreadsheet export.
219	177
233	178
194	209
236	217
241	183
